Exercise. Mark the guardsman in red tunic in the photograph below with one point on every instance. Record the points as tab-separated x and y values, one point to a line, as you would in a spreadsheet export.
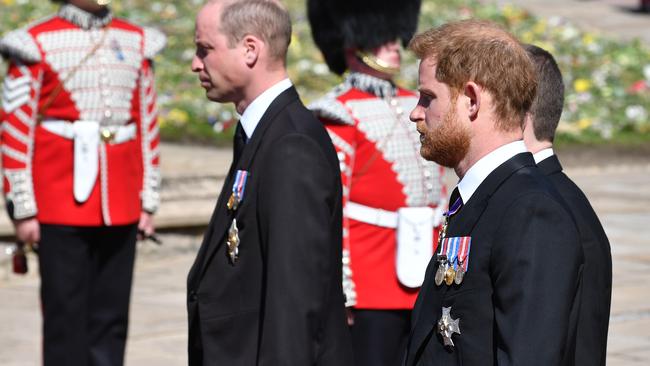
80	161
393	199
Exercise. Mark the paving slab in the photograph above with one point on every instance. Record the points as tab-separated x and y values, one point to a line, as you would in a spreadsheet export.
618	19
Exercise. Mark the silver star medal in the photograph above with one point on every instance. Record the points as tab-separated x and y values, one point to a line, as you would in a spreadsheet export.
233	242
447	326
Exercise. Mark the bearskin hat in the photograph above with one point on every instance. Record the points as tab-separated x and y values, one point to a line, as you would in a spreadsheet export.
363	24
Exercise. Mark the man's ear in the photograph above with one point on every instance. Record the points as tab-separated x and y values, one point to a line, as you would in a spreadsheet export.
252	49
473	93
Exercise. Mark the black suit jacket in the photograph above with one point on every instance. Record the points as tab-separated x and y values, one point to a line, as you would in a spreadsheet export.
517	302
281	303
591	345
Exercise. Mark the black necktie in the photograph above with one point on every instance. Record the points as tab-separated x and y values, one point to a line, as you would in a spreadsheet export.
239	142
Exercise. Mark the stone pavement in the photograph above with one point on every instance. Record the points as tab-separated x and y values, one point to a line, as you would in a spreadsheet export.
613	18
619	191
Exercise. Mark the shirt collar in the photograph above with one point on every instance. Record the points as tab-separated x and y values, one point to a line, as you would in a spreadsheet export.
254	112
482	168
543	154
84	19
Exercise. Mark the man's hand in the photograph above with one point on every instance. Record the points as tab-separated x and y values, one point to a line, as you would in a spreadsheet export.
145	226
28	230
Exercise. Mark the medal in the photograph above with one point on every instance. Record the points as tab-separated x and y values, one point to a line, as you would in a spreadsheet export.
450	274
238	188
233	242
440	273
456	251
460	273
233	202
443	264
115	46
463	259
447	326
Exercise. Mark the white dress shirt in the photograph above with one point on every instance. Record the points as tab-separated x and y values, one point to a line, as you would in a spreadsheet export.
482	168
254	112
543	154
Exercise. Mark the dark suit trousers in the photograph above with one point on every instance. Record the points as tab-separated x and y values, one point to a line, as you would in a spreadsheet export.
86	275
379	336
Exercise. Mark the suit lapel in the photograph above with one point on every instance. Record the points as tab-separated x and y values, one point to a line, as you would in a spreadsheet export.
550	165
222	218
214	221
461	224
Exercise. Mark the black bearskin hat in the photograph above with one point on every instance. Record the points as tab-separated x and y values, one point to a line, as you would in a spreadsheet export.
362	24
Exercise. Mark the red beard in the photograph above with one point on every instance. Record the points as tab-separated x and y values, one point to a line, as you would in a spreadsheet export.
446	144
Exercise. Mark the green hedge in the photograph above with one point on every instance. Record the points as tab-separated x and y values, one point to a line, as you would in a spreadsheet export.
608	82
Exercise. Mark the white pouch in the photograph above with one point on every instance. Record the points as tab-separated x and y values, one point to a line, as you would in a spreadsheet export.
414	244
86	158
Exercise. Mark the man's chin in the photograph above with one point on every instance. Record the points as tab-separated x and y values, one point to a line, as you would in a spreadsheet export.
215	97
441	158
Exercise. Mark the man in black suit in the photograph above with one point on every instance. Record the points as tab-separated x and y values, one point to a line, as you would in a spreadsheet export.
539	133
265	288
502	288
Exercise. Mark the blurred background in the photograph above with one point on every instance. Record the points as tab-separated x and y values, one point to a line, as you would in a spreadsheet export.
603	50
607	77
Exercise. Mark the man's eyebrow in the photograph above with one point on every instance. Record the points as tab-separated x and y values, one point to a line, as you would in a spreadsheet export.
425	90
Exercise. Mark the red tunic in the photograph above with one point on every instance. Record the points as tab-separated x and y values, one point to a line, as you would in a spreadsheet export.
104	73
381	167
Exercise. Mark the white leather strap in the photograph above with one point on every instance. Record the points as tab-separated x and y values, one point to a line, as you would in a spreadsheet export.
88	137
371	215
86	159
65	129
384	218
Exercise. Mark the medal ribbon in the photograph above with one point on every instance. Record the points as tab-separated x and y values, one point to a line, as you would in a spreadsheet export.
239	186
463	253
443	247
452	251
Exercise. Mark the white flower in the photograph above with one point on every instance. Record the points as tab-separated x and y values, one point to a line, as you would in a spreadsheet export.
636	113
595	48
599	77
584	97
569	32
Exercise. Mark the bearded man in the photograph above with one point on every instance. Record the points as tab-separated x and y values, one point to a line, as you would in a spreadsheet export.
504	286
80	160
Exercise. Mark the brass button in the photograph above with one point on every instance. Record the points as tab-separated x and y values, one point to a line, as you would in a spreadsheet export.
107	135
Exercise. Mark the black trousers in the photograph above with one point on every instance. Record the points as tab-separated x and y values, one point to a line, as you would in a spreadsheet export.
379	336
86	275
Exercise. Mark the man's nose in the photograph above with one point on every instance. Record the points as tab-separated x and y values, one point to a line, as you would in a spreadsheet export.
197	65
417	114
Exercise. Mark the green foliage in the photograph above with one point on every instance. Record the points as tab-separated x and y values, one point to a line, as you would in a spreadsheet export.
608	82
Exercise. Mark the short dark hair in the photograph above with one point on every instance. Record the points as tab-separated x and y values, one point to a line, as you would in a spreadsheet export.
549	100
